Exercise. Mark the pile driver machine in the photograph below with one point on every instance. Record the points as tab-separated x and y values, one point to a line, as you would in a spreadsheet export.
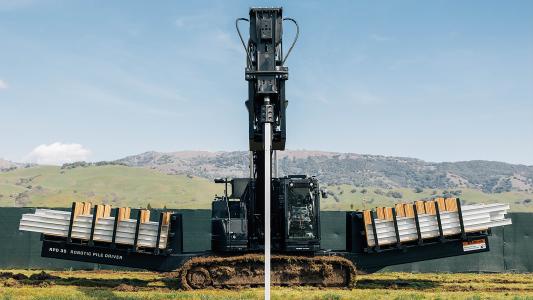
264	213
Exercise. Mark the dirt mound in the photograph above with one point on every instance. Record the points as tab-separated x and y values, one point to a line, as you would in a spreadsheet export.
17	276
10	282
43	276
125	288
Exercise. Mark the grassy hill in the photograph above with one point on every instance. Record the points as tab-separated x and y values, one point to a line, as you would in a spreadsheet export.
116	185
139	187
350	168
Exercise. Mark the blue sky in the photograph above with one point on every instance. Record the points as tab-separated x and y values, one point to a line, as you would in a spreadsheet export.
436	80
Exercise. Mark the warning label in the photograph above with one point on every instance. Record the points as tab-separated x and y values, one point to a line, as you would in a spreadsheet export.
474	245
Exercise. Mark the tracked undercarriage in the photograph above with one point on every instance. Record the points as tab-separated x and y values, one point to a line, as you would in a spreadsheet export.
248	271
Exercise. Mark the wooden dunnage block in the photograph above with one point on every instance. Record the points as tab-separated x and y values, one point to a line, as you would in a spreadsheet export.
99	212
400	210
145	215
388	213
367	220
409	210
123	213
451	204
107	211
86	208
430	207
420	207
380	211
166	218
78	209
441	203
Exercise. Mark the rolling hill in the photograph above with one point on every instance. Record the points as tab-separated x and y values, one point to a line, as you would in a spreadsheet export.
183	180
52	186
6	165
349	168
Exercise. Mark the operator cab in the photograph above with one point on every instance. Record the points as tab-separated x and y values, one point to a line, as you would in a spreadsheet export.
298	198
295	221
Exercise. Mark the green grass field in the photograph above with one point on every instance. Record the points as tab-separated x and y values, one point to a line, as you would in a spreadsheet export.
81	285
49	186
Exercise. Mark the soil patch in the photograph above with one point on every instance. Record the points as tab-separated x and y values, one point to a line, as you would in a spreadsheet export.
126	288
43	276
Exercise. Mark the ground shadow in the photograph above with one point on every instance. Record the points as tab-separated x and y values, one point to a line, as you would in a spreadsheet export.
91	282
418	284
99	293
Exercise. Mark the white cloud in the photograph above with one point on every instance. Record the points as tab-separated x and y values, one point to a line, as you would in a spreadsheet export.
58	153
3	85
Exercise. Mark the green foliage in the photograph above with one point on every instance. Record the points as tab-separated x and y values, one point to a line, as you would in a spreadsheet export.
394	194
83	164
379	192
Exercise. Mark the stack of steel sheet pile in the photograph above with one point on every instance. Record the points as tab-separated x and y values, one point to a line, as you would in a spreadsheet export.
99	226
421	220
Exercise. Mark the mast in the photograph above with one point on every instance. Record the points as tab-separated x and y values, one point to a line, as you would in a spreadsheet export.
266	104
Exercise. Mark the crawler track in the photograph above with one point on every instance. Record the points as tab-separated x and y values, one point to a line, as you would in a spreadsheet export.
248	271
